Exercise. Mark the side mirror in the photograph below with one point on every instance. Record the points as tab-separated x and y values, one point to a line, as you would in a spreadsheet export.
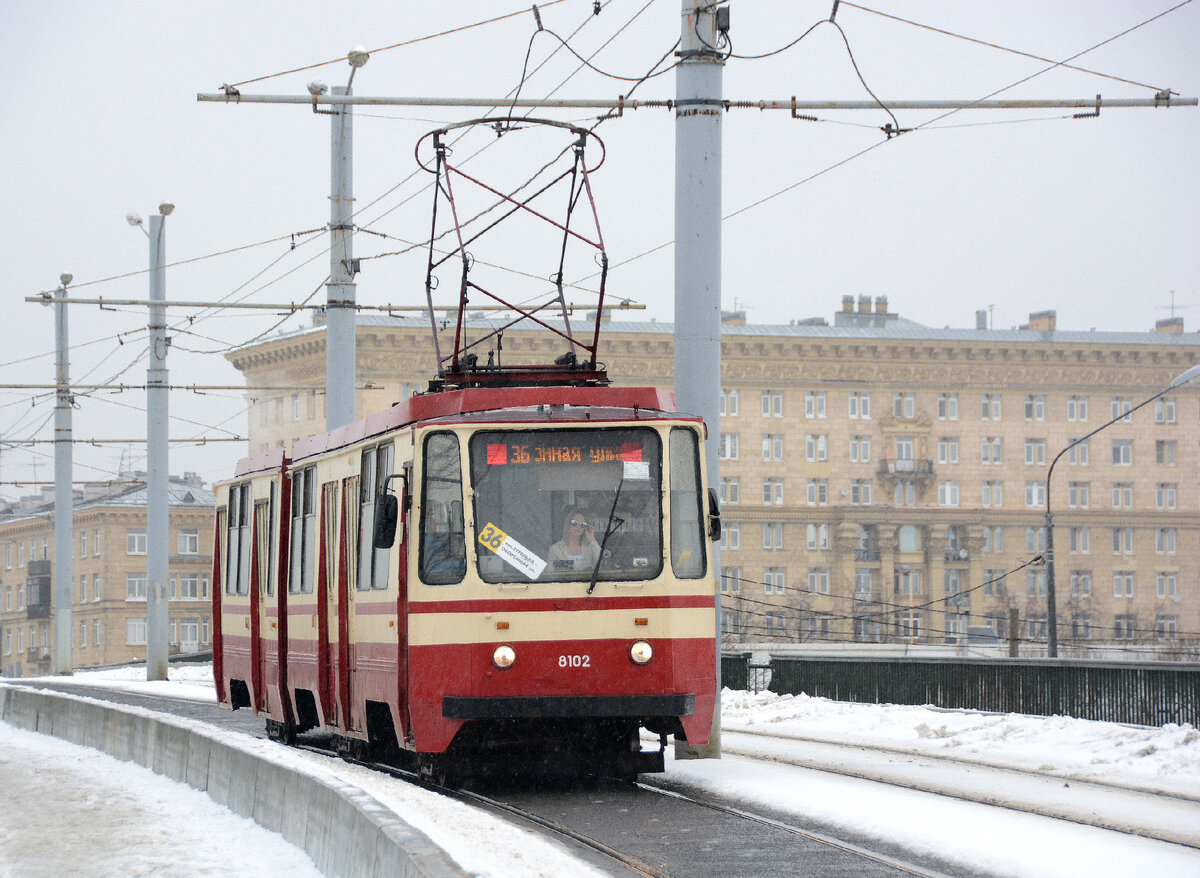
714	516
387	512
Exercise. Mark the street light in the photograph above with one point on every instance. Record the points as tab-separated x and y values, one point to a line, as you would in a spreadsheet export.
1179	380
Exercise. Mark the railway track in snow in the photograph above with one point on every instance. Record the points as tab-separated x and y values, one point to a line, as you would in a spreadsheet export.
1119	807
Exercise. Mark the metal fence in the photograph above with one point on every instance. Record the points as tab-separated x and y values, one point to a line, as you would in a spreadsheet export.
1144	693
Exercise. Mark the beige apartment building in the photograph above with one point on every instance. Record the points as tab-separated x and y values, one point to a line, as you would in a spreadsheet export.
885	481
108	610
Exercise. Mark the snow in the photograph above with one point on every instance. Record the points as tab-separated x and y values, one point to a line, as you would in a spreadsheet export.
1068	753
71	810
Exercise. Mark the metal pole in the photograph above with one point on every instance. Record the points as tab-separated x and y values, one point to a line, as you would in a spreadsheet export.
157	463
698	109
64	524
340	354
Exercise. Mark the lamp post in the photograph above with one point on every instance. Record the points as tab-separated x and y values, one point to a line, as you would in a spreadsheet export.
1178	381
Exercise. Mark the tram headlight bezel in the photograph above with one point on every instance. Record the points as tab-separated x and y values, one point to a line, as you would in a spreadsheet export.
641	652
504	656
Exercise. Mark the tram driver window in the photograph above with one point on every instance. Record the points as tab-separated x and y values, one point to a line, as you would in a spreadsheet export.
687	525
443	545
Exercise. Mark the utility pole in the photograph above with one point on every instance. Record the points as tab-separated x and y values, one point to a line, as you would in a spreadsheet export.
698	110
158	529
340	341
64	509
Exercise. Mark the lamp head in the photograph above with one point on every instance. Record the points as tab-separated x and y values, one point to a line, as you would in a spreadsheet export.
134	219
165	208
358	56
316	88
66	278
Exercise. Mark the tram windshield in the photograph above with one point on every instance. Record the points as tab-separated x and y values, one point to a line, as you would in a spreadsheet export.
567	504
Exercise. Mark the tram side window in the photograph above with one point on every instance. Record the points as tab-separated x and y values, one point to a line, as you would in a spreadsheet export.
687	523
372	563
443	547
237	545
303	551
262	527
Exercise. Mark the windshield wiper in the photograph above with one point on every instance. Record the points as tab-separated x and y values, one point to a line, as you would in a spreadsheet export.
614	523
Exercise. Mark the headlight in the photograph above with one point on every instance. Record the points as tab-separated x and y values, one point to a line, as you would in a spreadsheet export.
503	656
641	652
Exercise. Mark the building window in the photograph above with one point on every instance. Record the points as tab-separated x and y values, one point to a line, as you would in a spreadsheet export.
772	403
1035	452
135	542
947	406
295	406
907	581
1164	410
1122	540
860	492
1077	408
860	405
860	449
1035	407
905	494
1078	494
1124	626
908	626
1081	583
727	447
1081	626
1121	405
731	535
989	407
731	622
187	542
773	580
1164	452
729	402
135	632
814	447
1081	543
863	581
1122	452
1164	495
772	535
730	490
1035	494
818	537
96	587
83	541
909	538
1035	539
1077	455
904	405
947	493
993	539
1165	586
1122	583
135	586
1035	582
1164	540
818	492
96	543
731	580
1122	495
772	446
993	494
189	586
814	403
773	491
818	580
1165	627
990	450
947	449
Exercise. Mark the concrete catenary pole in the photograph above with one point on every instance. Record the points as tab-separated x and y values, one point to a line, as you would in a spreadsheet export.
157	462
698	109
340	342
64	524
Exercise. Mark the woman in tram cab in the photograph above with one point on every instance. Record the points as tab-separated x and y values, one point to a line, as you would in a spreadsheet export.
578	549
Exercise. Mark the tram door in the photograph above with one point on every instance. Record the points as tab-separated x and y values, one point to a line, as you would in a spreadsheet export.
330	644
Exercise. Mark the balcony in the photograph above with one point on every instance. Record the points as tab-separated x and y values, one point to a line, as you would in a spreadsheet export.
866	553
956	553
906	469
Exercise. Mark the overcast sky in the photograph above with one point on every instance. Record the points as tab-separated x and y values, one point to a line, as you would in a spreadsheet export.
1016	212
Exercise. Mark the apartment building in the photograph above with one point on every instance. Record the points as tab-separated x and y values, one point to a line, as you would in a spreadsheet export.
108	608
886	481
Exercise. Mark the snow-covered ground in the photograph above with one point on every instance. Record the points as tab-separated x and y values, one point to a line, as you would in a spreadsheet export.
979	837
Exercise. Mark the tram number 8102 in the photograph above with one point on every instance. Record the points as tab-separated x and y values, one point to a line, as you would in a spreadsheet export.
574	661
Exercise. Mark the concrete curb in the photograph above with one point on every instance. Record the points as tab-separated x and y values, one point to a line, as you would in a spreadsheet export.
345	831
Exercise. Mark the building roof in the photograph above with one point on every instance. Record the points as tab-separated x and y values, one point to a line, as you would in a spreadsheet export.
896	329
180	495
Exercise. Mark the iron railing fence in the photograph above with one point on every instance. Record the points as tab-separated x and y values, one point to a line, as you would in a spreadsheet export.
1145	693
